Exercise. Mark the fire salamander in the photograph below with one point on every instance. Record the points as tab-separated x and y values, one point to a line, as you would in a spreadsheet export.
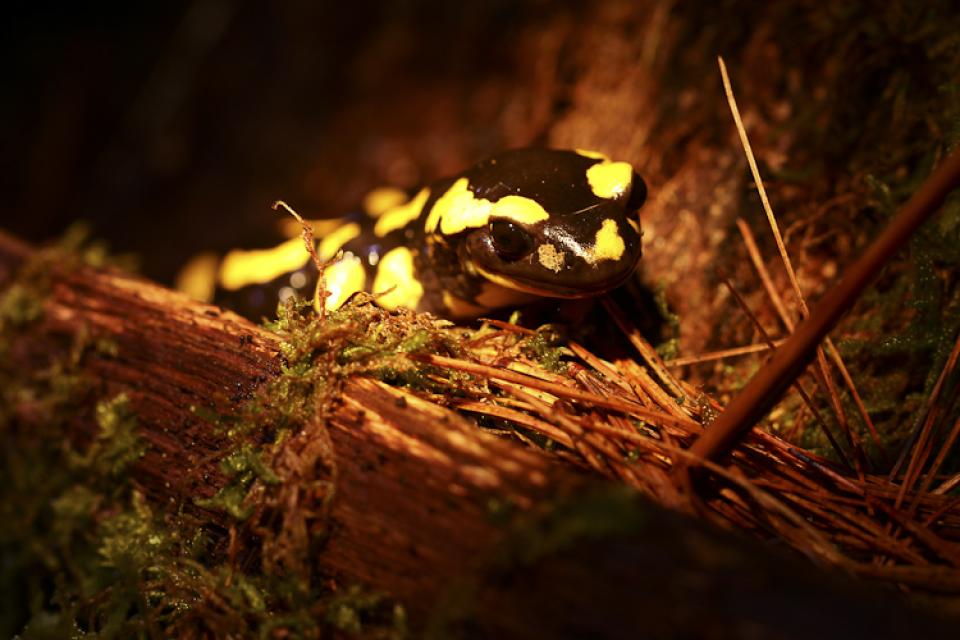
519	225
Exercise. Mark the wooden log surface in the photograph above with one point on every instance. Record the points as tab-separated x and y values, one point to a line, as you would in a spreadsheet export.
415	479
414	482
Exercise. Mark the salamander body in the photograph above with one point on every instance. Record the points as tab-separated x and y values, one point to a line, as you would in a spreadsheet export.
521	224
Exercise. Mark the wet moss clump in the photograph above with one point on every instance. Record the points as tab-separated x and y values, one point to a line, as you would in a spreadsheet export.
545	346
86	552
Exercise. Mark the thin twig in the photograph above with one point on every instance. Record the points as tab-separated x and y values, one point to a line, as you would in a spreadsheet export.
306	231
754	253
519	417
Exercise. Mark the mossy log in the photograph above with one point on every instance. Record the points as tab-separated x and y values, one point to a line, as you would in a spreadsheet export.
414	479
411	516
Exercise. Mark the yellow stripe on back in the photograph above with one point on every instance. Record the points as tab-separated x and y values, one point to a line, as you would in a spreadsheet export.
382	199
334	240
399	216
396	270
259	266
459	209
198	278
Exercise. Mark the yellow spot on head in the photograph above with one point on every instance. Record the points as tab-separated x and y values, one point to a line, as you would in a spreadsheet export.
549	257
198	278
519	209
334	240
342	279
459	209
398	216
608	244
242	268
381	200
395	270
609	179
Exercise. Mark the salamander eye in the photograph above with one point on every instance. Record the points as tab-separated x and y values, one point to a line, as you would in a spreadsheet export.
510	241
638	193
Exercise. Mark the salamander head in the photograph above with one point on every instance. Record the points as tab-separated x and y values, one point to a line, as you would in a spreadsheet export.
547	222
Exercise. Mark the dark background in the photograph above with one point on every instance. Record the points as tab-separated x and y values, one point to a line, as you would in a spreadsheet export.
173	126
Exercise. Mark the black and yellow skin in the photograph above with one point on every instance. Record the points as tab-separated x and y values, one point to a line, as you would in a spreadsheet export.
519	225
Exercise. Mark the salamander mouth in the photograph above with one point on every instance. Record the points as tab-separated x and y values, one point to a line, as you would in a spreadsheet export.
555	289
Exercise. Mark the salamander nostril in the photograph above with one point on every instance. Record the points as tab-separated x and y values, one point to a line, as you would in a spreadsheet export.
638	193
510	241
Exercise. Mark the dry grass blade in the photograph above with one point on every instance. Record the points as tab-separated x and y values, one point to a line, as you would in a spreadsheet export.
753	251
518	417
723	354
569	393
766	388
796	383
609	417
647	352
825	376
757	261
920	440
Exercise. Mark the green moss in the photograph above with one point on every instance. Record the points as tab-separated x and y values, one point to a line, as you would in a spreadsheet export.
349	610
117	444
670	347
20	306
132	541
546	347
84	553
230	499
242	465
